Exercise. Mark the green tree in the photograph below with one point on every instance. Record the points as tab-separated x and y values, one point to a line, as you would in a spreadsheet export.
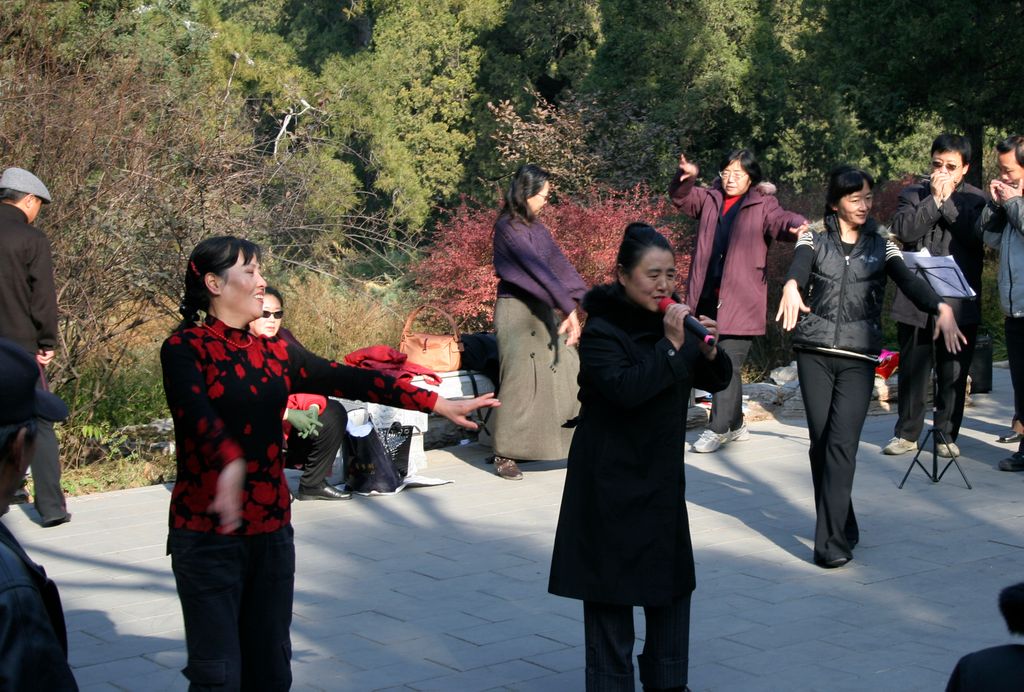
948	63
404	104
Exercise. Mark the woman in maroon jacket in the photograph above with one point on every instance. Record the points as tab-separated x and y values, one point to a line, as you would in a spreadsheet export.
738	217
231	541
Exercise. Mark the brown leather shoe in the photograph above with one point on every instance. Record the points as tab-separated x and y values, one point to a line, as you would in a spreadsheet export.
507	468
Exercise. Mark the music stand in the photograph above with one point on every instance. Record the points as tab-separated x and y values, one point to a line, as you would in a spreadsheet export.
946	279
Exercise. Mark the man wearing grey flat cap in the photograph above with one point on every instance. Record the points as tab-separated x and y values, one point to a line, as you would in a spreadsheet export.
33	636
28	315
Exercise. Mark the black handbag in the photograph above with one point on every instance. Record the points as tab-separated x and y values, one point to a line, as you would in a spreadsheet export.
378	461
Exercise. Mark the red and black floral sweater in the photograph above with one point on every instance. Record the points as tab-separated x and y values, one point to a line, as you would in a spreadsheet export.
227	391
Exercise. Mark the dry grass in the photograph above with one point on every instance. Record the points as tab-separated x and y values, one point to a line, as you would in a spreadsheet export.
332	323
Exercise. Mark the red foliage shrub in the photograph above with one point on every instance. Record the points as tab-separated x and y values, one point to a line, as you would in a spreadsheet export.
458	271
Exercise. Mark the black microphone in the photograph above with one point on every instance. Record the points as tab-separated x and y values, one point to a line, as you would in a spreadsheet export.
690	322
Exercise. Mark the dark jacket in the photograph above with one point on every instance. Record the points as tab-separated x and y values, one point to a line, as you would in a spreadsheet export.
33	638
948	230
28	299
845	294
845	297
623	534
998	669
530	265
744	292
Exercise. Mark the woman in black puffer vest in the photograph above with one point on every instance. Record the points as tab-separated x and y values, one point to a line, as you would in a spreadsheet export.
838	338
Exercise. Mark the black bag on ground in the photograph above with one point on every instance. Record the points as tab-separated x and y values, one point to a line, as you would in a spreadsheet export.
368	465
378	461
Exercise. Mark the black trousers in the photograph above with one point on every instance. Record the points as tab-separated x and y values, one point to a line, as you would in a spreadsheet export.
236	598
1014	327
48	495
316	454
951	370
727	405
664	662
836	392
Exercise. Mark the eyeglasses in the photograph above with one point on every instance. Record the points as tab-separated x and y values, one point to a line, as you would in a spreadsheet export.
267	314
936	165
732	175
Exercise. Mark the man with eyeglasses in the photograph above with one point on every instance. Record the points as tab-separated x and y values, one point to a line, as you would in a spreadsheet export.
1002	222
937	214
28	316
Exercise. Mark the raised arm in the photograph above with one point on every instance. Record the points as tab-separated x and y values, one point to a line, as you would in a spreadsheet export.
683	190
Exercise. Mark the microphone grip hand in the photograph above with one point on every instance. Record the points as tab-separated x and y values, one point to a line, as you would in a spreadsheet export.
699	330
690	323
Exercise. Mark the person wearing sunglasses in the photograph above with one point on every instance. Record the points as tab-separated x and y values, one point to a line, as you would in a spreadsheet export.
316	424
937	214
738	217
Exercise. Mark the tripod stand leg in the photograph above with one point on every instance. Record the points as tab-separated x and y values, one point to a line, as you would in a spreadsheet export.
920	450
952	460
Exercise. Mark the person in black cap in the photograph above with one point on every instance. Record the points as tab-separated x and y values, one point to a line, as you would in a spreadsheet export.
28	316
33	638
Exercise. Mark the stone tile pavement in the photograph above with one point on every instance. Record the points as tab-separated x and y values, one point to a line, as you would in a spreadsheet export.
445	588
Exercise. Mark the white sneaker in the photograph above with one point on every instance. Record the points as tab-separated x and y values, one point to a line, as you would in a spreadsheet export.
740	434
898	445
709	441
948	450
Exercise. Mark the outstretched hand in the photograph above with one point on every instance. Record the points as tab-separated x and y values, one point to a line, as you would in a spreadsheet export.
791	305
458	410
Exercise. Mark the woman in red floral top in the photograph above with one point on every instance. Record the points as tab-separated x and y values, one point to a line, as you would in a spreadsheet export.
231	540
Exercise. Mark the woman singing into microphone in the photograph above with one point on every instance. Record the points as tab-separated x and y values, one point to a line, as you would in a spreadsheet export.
623	536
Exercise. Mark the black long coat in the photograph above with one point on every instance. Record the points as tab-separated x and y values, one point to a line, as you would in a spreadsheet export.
623	534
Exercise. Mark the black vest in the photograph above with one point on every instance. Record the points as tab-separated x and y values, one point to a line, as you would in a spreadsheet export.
845	294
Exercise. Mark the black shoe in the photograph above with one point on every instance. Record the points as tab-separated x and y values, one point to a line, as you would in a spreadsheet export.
833	563
19	497
50	523
1013	463
324	492
1008	437
507	468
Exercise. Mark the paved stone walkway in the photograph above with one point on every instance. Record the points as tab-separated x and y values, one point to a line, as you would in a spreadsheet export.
445	588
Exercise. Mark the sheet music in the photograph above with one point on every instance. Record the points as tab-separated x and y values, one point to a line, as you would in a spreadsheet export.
941	273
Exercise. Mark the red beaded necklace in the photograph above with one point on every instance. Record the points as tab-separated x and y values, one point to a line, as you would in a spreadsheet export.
220	335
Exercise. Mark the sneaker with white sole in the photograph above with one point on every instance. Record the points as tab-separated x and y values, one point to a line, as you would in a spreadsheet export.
948	450
740	434
898	445
709	441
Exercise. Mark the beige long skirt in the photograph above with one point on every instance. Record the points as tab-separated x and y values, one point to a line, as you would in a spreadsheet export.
538	383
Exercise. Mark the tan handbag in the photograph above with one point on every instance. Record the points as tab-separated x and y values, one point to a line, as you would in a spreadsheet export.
439	352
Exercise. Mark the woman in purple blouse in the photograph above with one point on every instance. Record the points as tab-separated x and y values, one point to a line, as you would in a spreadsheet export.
538	363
